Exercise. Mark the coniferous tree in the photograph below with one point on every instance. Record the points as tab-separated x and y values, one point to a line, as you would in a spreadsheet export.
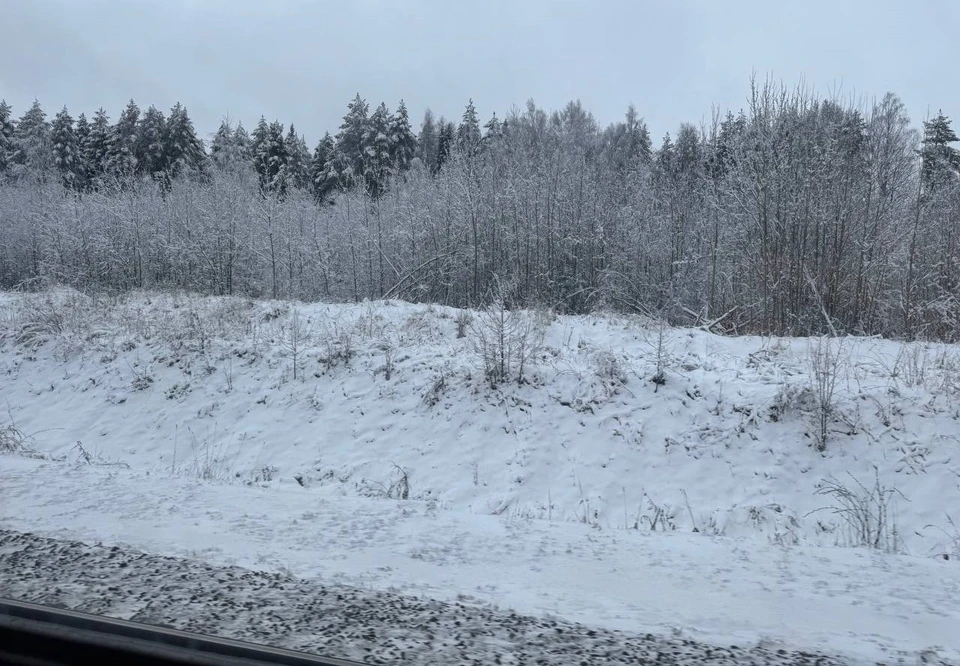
150	146
298	160
378	151
183	150
241	143
352	142
468	133
427	142
65	149
940	160
403	142
271	159
82	133
31	137
445	143
323	169
258	153
121	156
221	147
493	129
6	137
95	151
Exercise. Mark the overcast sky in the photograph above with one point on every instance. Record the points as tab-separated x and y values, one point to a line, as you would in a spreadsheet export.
301	61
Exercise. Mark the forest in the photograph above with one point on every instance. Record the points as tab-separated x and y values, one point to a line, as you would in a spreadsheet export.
797	215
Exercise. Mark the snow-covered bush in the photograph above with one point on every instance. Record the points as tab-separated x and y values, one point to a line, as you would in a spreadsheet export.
608	368
867	513
463	321
826	360
505	340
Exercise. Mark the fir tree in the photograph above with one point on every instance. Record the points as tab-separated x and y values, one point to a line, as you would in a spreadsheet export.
241	142
258	155
183	150
95	151
403	142
445	141
468	133
271	158
82	133
6	137
352	142
65	150
31	138
427	142
494	130
323	169
150	149
121	158
378	151
298	160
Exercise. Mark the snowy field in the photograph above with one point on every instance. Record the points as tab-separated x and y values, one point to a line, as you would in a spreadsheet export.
640	479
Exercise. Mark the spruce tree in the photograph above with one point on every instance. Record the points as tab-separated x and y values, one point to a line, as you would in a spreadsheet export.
352	142
241	143
494	130
95	151
323	169
31	138
6	137
468	133
183	150
378	151
427	142
403	142
221	147
298	160
151	158
82	133
65	150
121	158
271	158
258	153
445	143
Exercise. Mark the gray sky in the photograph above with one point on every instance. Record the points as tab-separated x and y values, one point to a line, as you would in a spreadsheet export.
302	61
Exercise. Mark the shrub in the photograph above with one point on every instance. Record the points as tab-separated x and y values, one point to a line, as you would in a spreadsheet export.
867	513
505	340
825	360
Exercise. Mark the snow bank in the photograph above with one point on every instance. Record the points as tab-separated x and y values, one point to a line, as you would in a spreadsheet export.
388	401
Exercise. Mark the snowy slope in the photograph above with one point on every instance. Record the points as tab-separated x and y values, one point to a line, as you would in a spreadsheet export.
388	402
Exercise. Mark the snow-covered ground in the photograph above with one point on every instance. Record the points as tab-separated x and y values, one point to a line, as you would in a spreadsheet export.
175	425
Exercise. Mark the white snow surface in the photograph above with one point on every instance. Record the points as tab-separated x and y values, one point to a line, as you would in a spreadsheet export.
589	492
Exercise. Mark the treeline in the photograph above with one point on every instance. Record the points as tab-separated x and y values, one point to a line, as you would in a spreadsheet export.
796	215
